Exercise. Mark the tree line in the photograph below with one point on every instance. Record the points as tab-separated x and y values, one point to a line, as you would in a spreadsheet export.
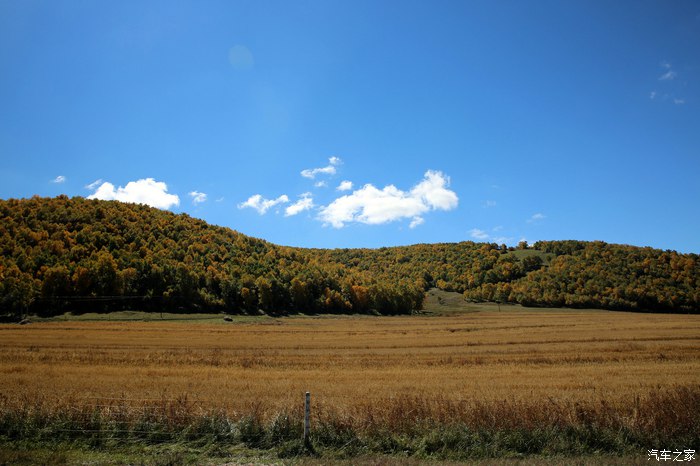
75	254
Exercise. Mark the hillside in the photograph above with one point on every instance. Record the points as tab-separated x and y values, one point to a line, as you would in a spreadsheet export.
75	254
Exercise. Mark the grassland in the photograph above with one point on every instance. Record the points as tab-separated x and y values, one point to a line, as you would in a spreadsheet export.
471	382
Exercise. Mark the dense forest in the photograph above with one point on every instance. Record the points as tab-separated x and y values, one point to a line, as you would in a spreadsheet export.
61	254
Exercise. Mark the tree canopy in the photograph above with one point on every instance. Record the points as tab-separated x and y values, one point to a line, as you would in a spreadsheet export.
75	254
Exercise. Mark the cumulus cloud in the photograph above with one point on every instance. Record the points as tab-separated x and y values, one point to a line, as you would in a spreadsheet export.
321	184
197	197
146	191
261	204
330	169
344	186
433	193
305	202
373	206
59	179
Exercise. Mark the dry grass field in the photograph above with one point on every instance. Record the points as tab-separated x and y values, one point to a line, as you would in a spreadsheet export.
516	369
578	355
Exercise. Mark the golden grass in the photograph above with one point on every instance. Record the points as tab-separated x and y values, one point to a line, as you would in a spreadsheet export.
485	357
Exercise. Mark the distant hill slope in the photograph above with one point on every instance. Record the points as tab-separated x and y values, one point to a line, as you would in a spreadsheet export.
62	254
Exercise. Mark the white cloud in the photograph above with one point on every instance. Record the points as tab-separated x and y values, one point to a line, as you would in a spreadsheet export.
93	186
668	76
59	179
261	204
536	218
327	170
502	239
416	221
146	191
482	235
432	191
306	202
478	234
488	204
197	197
321	184
373	206
344	186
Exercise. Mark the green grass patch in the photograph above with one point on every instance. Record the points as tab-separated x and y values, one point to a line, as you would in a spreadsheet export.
448	303
441	303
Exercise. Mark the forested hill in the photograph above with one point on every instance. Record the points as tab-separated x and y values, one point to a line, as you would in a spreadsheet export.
75	254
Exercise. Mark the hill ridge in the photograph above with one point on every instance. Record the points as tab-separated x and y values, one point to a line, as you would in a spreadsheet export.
77	254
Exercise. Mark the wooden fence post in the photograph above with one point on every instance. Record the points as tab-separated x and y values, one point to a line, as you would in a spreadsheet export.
307	416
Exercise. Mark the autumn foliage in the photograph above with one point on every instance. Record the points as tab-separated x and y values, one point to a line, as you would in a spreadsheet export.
75	254
61	254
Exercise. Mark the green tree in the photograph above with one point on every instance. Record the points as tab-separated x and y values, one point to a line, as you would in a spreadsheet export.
17	290
299	294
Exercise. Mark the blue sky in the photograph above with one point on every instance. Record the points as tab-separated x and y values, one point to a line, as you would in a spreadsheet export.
364	123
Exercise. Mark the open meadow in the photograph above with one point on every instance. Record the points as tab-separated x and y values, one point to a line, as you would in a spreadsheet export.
456	385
